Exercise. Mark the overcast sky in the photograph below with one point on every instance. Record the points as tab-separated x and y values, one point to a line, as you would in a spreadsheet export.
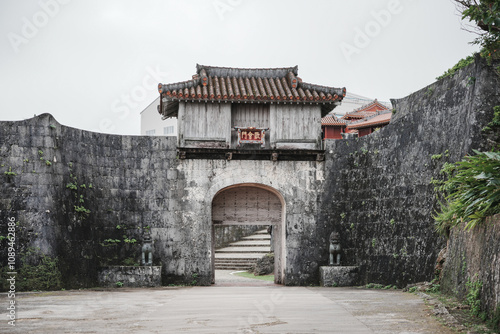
95	64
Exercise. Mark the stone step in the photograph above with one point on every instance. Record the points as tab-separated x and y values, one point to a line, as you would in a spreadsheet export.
253	256
235	260
246	249
243	254
258	237
250	243
232	267
246	265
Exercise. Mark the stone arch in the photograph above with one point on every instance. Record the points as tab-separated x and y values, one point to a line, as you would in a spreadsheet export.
252	204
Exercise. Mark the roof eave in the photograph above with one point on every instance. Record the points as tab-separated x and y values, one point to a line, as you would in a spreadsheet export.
362	126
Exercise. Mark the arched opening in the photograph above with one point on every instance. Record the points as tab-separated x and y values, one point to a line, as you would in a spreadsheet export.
252	204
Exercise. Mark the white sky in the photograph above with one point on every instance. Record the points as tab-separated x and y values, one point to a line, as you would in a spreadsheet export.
95	64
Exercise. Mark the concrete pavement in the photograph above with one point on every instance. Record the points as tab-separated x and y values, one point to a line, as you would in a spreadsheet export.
221	308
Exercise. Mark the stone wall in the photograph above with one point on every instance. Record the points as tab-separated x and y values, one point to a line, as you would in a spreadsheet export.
375	191
474	256
130	185
378	192
298	183
129	276
124	181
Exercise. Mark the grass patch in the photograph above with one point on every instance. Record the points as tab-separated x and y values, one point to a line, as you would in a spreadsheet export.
245	274
463	314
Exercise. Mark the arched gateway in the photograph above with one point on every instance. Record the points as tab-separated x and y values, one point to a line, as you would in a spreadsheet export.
252	204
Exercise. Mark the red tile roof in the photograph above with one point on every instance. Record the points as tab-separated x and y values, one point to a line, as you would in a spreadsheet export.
372	106
257	85
367	110
332	120
379	119
358	114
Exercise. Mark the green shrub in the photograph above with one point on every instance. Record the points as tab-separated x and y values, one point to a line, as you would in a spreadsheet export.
37	271
473	298
472	191
461	64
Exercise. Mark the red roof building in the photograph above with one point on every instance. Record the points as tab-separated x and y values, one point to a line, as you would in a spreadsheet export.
365	111
370	124
363	121
333	127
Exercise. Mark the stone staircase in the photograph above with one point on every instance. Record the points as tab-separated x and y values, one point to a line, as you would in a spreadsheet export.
243	254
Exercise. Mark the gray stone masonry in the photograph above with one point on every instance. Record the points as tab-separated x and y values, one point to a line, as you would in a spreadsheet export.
87	198
130	276
338	276
474	256
378	193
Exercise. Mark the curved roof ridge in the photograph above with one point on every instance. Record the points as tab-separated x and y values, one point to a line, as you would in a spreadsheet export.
178	85
324	89
374	102
247	72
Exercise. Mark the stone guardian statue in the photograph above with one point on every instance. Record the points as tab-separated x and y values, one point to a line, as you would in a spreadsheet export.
147	250
334	249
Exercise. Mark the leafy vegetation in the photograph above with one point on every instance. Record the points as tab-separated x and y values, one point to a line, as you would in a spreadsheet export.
128	240
110	242
458	66
81	210
495	122
130	261
486	15
10	172
37	272
473	298
494	322
73	185
194	281
436	156
472	191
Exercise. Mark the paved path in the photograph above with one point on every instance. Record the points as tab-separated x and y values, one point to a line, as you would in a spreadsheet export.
221	309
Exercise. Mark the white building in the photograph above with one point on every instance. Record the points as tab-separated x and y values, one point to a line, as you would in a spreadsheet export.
153	125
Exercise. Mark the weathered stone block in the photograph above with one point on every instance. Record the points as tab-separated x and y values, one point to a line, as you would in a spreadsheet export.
130	276
338	275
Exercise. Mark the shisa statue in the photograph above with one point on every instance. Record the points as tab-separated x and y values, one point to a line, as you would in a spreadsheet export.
334	249
147	250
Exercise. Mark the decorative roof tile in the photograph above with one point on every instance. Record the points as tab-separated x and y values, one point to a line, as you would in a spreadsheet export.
332	120
367	110
381	118
255	85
